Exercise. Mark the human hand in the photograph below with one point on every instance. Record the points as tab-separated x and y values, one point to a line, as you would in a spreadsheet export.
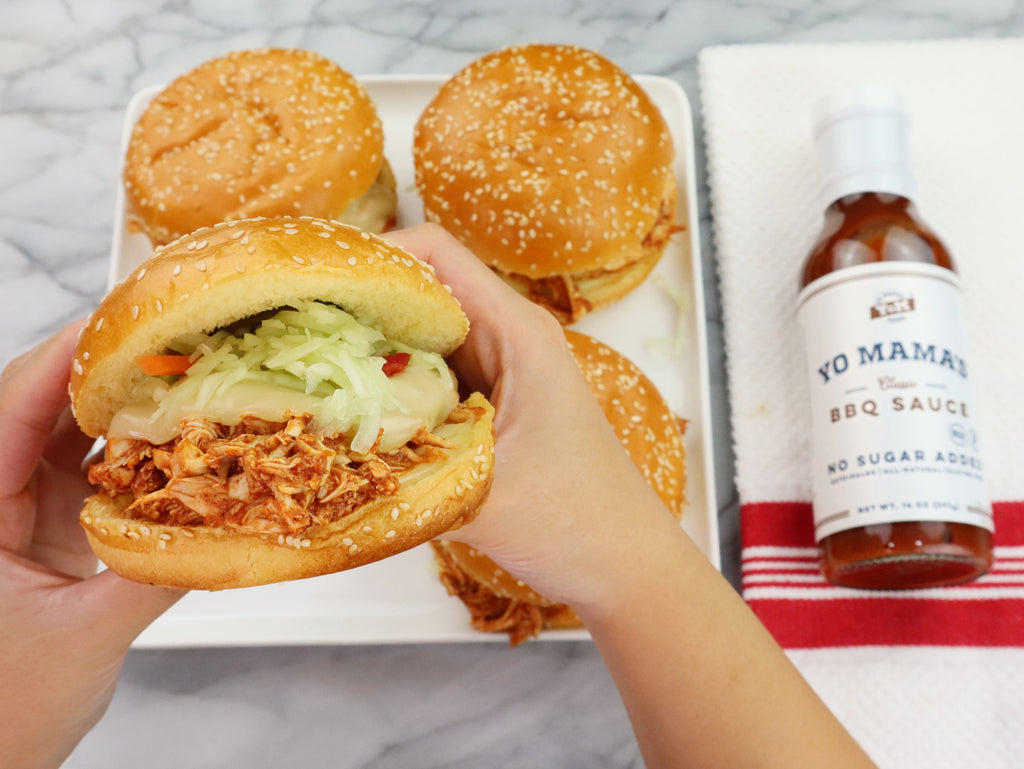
64	629
556	454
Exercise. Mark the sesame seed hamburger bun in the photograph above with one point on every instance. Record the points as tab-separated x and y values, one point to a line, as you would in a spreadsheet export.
553	166
268	132
276	405
650	433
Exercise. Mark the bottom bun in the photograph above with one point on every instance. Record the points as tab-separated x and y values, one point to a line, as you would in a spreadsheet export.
570	297
433	498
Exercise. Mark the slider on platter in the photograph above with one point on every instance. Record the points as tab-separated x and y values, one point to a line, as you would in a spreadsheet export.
554	167
276	405
652	436
266	132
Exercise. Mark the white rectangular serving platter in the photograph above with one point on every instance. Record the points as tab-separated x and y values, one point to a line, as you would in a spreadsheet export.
660	326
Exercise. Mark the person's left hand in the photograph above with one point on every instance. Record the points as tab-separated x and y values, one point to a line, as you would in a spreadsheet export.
64	628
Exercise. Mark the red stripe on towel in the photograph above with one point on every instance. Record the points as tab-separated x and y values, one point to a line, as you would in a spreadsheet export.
784	587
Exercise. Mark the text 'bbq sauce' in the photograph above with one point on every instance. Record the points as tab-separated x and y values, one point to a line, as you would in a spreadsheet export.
899	495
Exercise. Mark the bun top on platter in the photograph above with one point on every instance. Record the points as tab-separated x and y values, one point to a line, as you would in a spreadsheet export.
648	429
254	133
235	270
544	160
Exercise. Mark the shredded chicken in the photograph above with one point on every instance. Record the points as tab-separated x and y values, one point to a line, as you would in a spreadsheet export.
663	228
491	613
561	295
256	476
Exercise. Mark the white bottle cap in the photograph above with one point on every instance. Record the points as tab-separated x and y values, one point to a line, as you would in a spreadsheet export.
861	135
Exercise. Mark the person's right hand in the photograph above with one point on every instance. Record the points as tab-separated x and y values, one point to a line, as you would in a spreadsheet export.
566	497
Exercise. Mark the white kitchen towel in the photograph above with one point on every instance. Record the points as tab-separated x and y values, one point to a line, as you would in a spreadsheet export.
965	99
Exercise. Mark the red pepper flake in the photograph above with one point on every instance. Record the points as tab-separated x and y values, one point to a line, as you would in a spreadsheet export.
395	363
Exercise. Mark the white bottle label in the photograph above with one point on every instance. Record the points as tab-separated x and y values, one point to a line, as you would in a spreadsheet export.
894	427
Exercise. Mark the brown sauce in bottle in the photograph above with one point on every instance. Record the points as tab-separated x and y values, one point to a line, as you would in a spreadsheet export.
873	227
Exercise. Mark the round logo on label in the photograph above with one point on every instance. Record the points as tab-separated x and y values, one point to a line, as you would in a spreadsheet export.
960	435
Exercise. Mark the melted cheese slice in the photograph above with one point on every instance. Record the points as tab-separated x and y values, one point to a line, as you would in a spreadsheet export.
375	208
426	400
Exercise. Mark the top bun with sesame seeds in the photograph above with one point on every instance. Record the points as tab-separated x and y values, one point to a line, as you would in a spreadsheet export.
555	167
276	406
650	433
267	132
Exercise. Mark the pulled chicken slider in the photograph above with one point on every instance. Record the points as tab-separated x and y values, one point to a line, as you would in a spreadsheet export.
265	132
554	166
276	405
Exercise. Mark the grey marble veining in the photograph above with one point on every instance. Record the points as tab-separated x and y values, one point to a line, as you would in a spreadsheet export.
67	71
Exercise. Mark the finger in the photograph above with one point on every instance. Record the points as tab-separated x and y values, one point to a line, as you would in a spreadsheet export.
123	608
505	327
68	445
33	394
56	539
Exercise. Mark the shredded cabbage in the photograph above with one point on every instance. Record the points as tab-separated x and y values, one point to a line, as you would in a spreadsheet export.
313	349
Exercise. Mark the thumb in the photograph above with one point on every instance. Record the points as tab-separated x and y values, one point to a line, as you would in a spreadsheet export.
123	608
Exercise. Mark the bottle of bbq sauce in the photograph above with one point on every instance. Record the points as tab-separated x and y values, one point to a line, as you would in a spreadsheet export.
899	495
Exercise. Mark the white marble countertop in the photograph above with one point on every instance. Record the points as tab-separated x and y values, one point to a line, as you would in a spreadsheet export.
67	71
